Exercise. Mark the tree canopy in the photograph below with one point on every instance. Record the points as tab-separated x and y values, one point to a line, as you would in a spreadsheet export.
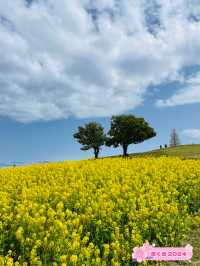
128	129
91	136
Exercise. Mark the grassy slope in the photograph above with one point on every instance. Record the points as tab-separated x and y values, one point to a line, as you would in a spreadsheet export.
187	151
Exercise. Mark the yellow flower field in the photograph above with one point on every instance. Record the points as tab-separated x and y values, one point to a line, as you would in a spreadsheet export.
94	212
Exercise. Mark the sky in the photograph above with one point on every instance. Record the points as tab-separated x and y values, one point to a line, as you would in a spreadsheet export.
65	63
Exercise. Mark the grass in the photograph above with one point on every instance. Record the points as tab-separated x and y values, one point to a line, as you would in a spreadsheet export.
194	239
186	151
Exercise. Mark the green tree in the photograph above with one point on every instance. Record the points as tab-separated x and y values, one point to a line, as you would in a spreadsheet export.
91	136
128	129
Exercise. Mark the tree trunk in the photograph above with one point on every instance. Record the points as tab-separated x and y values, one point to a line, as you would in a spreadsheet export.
96	153
125	148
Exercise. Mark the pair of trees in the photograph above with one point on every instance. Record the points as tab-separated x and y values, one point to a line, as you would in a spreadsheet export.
124	130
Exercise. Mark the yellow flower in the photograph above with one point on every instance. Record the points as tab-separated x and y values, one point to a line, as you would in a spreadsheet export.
9	262
73	259
63	258
19	233
96	208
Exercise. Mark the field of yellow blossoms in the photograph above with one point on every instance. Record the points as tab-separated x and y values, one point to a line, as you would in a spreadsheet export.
94	212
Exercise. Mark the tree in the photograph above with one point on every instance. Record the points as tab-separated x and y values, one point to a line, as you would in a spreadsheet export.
174	139
128	129
91	136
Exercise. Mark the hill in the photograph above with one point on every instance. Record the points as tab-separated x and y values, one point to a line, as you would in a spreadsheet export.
186	151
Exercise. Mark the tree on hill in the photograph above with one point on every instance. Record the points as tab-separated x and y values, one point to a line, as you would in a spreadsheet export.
91	136
174	139
128	129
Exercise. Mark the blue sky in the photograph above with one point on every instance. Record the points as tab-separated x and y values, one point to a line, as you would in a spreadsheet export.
64	63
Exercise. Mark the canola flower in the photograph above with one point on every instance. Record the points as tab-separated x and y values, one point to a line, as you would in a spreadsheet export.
94	212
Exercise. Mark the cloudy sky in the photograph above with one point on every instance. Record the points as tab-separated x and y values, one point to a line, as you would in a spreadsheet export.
64	63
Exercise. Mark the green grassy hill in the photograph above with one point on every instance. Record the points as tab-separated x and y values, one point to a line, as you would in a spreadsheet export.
186	151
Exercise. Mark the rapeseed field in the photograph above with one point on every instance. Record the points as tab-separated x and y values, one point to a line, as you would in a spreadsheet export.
94	212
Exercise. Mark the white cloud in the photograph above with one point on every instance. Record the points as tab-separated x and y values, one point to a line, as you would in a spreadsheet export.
192	133
91	58
188	95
